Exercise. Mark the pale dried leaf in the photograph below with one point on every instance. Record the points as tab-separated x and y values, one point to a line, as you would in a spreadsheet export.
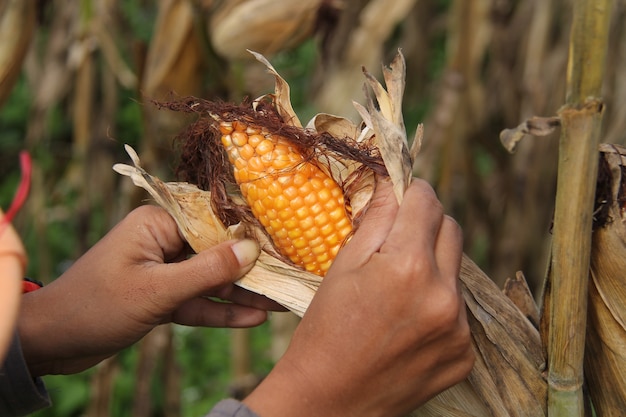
383	100
507	376
508	345
605	356
267	26
173	26
395	76
385	112
337	126
536	126
459	400
186	203
605	349
518	291
17	26
364	114
281	94
416	146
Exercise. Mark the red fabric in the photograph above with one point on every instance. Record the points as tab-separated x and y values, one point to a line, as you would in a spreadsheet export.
28	286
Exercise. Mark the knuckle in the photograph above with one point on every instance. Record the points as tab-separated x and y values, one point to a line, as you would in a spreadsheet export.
448	308
423	190
467	361
220	262
453	225
145	211
410	270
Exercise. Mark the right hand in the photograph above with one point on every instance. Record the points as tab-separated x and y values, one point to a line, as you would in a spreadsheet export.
387	329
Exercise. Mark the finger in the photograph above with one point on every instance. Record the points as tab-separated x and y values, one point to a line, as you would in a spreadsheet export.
245	297
374	226
150	228
204	273
449	250
210	313
417	223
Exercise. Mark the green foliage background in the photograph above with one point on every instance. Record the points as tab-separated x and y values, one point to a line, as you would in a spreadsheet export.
503	202
203	354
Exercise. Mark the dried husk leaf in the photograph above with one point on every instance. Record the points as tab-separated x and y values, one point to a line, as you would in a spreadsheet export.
459	401
268	26
518	291
282	97
385	115
507	376
17	25
173	62
536	126
605	356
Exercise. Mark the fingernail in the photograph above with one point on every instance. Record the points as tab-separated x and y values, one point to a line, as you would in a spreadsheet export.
246	251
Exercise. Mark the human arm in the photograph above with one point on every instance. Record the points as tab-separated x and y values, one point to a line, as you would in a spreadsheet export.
132	280
387	329
20	394
12	266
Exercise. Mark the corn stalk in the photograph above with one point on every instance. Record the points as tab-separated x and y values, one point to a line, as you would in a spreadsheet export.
581	120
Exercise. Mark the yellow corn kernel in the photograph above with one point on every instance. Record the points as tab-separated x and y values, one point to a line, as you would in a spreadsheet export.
300	206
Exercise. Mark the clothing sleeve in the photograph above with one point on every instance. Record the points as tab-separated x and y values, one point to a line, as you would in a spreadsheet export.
20	394
231	408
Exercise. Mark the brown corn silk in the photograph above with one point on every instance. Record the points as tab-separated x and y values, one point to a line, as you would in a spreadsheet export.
507	378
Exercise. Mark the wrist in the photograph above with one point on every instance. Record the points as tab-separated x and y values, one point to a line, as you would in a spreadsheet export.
299	395
30	327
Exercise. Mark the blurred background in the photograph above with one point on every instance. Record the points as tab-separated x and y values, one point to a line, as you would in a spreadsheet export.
77	80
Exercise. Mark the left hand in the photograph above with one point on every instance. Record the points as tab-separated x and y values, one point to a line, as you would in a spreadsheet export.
134	279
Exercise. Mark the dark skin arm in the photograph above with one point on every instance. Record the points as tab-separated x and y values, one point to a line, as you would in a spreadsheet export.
131	281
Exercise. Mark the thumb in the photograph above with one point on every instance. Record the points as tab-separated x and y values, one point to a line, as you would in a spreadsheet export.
208	271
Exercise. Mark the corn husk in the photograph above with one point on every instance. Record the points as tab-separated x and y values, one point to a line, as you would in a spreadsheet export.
191	208
267	26
605	357
507	378
17	26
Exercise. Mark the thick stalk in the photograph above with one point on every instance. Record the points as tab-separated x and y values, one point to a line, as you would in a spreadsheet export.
578	162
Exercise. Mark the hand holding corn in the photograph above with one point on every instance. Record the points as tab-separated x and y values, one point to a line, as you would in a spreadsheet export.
387	329
132	280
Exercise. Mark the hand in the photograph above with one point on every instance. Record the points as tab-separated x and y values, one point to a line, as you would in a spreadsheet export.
134	279
387	329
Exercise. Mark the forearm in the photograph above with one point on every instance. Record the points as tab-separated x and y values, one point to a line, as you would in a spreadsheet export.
56	333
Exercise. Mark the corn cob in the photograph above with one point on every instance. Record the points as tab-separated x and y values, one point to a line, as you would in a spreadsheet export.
299	205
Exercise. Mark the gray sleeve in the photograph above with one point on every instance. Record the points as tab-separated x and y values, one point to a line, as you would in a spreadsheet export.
231	408
20	393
